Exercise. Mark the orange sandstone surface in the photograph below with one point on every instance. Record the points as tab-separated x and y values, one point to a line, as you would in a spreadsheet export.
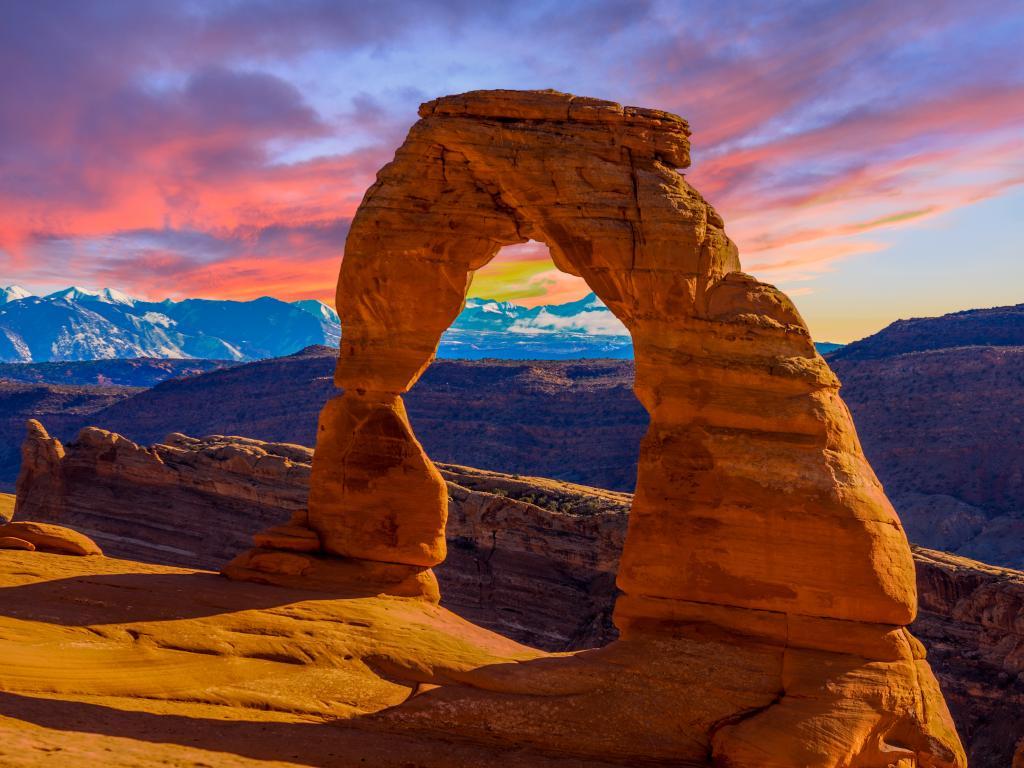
766	580
107	662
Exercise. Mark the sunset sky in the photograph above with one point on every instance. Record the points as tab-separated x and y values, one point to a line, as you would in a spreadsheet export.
868	157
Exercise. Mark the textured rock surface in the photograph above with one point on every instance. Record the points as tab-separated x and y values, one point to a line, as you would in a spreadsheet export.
972	619
535	560
755	513
113	663
204	671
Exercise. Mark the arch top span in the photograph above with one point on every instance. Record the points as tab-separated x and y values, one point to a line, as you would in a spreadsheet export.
595	181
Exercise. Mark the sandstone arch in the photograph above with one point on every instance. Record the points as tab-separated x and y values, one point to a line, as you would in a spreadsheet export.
756	514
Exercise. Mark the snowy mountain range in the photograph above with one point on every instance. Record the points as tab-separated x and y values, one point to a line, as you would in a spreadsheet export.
500	329
81	324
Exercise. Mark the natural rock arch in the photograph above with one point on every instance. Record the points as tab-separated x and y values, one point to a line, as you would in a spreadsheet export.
755	514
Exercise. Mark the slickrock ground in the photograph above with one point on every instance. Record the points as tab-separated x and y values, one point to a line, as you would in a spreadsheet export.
532	559
118	663
114	663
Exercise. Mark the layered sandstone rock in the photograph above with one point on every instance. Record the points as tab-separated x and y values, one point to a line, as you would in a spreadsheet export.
184	501
755	511
972	619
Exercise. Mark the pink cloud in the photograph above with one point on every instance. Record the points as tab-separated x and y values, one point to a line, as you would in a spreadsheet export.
156	167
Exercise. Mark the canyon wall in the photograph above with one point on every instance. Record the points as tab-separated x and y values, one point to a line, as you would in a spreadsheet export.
533	559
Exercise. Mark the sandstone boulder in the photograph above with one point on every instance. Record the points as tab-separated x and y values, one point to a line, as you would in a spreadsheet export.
51	538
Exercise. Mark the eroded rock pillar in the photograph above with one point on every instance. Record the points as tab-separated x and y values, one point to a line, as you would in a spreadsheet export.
377	504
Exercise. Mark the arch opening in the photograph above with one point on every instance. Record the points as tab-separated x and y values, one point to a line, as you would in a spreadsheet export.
525	374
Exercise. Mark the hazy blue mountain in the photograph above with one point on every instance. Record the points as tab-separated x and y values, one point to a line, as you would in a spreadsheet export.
81	324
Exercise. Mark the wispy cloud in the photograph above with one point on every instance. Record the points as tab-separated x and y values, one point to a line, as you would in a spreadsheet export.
222	148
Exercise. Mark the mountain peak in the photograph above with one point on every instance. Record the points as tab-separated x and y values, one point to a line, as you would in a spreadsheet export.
9	293
319	310
76	293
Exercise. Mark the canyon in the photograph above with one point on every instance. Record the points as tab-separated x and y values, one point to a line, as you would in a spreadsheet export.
580	422
529	558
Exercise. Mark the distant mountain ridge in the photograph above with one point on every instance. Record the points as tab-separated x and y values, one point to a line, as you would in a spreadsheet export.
128	372
993	327
939	405
76	324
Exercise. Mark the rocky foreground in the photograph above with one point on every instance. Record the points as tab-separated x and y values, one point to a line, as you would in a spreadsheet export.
531	559
113	662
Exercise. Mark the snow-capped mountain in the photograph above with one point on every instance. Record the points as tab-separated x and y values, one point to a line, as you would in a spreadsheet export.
86	296
82	324
501	329
12	293
318	309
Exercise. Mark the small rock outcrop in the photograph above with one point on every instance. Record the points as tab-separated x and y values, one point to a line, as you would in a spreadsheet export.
13	542
184	501
758	532
46	537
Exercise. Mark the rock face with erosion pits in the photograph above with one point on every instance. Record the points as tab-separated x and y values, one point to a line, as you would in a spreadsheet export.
766	580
